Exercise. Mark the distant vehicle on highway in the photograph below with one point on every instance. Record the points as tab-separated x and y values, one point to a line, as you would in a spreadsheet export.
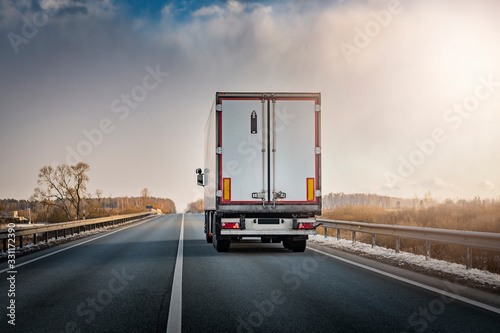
262	174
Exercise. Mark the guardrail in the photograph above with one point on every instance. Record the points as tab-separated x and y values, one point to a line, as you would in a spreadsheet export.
66	226
469	239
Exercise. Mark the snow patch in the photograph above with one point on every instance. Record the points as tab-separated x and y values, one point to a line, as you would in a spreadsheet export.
476	275
30	247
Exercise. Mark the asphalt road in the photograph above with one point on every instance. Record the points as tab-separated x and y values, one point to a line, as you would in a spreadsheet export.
123	281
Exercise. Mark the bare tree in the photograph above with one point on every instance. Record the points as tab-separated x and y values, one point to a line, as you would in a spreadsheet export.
63	187
52	193
98	194
145	194
76	188
94	206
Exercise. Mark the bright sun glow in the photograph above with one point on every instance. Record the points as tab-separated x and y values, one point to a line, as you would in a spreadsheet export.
465	58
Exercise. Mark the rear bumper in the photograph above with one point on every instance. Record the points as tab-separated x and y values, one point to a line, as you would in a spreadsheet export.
256	233
252	227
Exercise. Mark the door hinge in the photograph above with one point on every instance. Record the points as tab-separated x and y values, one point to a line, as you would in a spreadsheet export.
279	195
219	150
218	107
317	150
218	193
318	193
317	108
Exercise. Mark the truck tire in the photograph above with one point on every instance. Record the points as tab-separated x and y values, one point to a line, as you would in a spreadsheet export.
298	246
221	245
286	243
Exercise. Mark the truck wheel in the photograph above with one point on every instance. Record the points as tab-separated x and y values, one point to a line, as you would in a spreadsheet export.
298	246
223	245
209	238
214	233
286	244
265	239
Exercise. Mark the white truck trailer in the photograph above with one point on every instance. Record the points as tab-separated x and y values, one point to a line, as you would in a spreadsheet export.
262	174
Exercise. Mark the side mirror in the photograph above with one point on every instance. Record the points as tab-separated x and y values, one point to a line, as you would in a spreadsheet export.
199	177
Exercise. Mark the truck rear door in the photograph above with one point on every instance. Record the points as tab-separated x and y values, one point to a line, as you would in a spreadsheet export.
269	149
293	150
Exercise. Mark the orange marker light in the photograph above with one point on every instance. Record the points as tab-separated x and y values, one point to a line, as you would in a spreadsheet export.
227	189
310	189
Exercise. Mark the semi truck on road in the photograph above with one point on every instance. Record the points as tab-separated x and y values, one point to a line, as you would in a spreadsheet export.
262	172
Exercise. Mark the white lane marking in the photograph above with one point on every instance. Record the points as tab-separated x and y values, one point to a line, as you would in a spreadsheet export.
417	284
174	322
70	247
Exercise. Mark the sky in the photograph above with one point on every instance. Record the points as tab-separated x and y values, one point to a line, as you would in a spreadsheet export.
410	89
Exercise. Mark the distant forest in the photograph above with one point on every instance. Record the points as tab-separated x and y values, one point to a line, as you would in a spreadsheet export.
94	207
196	206
333	200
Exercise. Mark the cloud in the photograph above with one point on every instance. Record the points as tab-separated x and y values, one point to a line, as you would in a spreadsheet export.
13	12
439	185
52	4
434	183
486	185
167	10
235	6
280	46
388	187
209	11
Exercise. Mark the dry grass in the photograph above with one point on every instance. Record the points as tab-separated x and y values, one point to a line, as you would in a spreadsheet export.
472	216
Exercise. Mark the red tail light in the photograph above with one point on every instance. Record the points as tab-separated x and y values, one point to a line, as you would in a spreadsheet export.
230	225
306	225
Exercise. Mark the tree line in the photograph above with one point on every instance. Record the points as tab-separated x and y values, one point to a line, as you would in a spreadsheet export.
62	195
341	199
196	206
